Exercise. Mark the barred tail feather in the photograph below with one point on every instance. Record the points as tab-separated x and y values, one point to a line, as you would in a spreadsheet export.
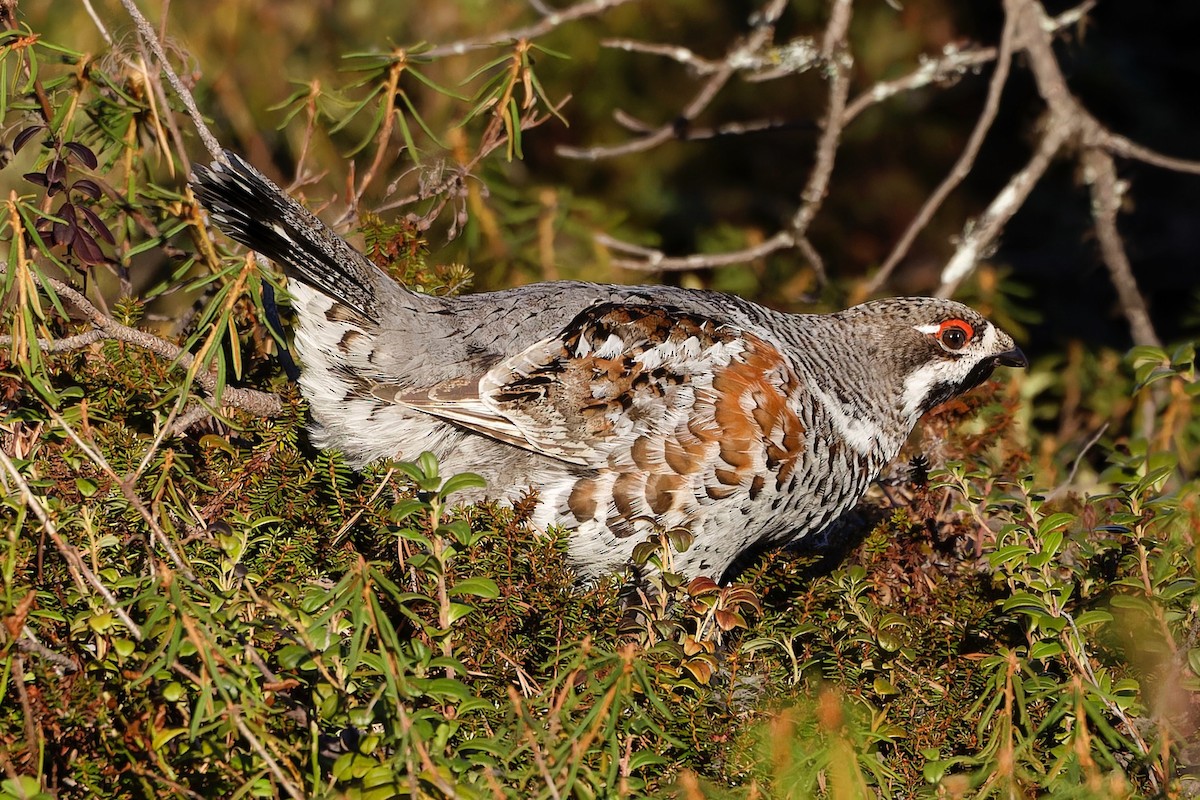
252	210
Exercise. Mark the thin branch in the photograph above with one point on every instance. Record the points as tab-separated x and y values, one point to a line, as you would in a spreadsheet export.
256	402
980	235
836	52
792	58
126	485
814	259
1120	146
691	133
701	65
952	65
30	643
76	342
1107	192
388	122
962	167
758	39
548	23
192	415
150	37
657	261
1069	114
91	12
288	784
459	174
1064	487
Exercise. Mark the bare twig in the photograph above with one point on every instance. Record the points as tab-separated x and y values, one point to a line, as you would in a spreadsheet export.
288	784
979	235
953	64
30	643
1106	202
150	37
1067	119
1064	487
255	402
1120	146
549	22
836	52
91	12
966	160
388	122
34	736
76	342
698	64
444	186
657	261
716	81
126	485
193	414
814	259
698	134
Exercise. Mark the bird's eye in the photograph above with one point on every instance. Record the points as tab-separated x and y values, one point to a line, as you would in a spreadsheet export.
954	334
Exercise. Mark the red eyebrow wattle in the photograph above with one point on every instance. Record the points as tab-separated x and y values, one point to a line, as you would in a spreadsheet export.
957	323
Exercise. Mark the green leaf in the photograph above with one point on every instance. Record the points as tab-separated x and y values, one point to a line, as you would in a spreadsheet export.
406	508
458	611
164	735
1193	658
442	90
1093	617
459	530
462	481
448	687
1043	650
1053	522
23	787
1006	555
1130	602
646	758
476	587
1024	601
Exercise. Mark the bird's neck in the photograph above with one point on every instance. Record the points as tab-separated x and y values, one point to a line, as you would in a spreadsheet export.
871	427
860	390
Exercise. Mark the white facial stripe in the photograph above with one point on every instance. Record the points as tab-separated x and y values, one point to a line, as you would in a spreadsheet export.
918	384
927	328
987	342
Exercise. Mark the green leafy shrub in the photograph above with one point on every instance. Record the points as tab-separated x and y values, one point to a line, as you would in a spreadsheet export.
213	609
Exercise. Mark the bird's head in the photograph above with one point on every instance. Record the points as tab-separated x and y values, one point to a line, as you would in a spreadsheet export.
937	349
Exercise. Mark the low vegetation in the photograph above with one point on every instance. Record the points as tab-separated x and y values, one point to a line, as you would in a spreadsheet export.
197	603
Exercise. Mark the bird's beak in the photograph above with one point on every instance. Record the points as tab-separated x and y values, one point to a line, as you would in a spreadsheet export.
1012	358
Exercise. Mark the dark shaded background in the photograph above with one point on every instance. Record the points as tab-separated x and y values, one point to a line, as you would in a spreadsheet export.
1132	64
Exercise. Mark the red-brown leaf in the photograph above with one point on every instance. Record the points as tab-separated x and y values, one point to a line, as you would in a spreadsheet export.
86	249
24	136
97	224
83	154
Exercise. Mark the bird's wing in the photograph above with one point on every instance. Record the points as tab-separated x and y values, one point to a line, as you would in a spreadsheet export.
639	385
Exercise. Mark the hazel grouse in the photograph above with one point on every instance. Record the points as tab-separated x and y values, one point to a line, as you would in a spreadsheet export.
626	407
